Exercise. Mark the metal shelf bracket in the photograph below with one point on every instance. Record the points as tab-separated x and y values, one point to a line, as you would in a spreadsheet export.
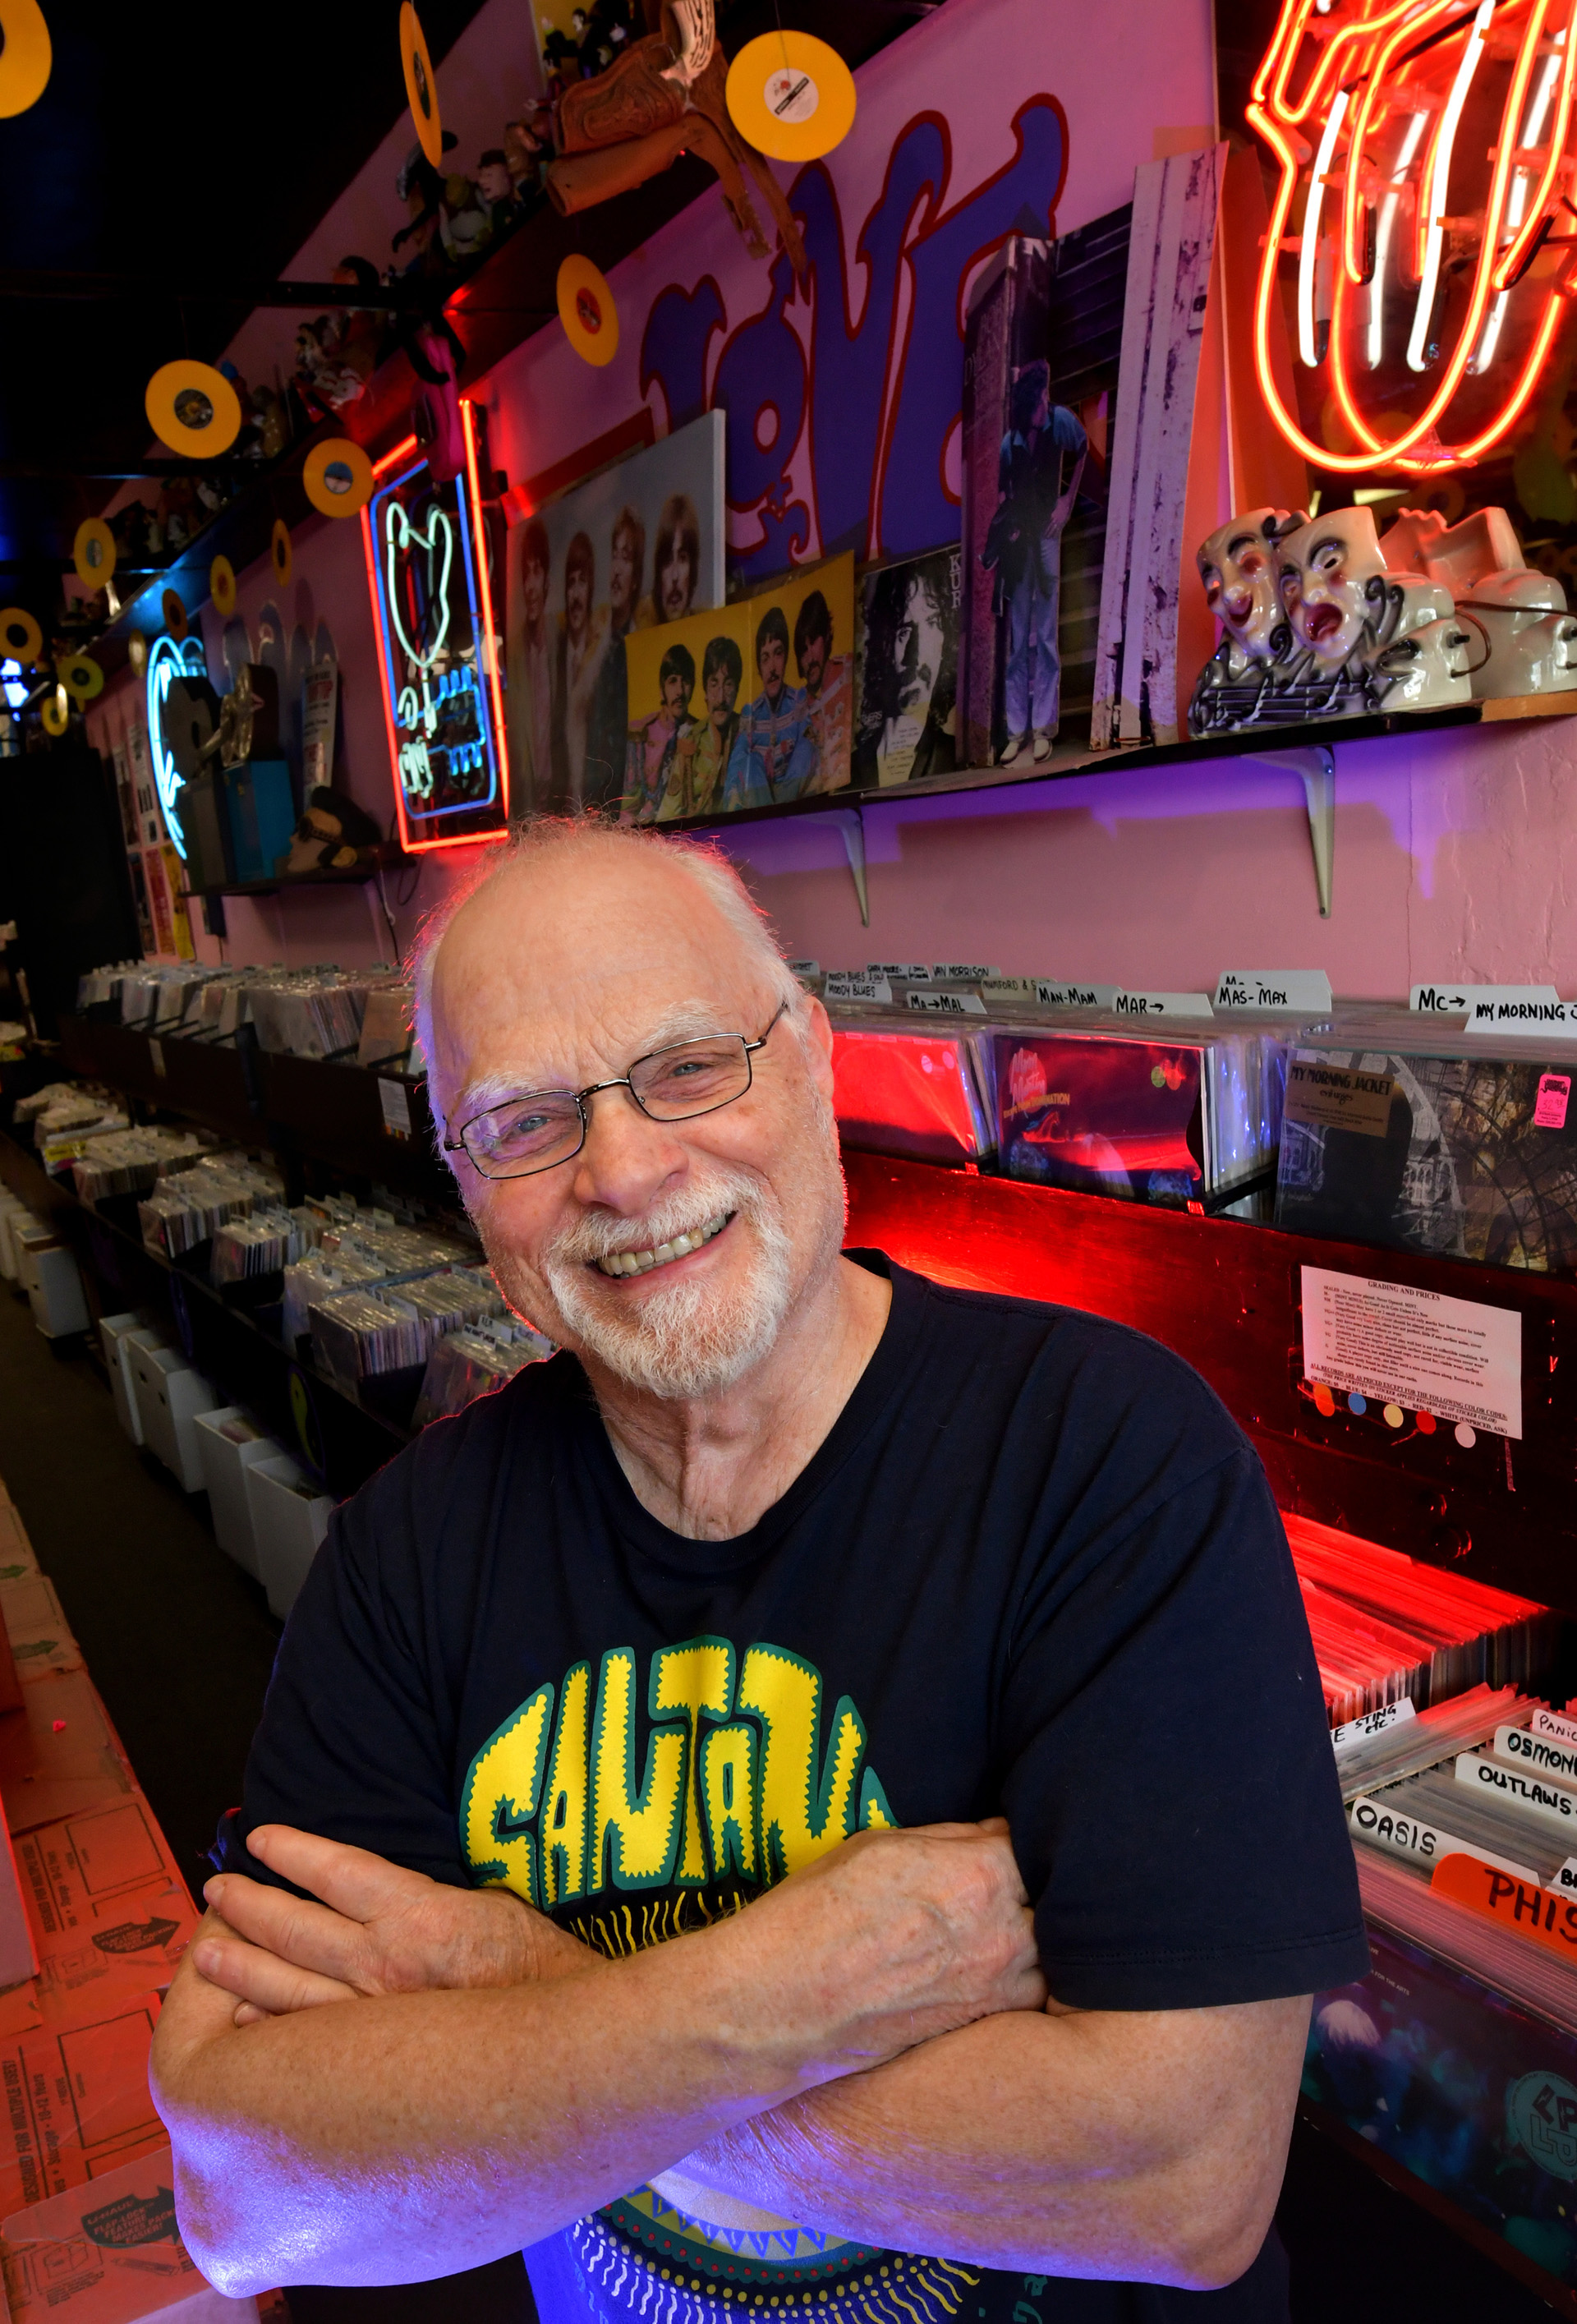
1314	764
850	823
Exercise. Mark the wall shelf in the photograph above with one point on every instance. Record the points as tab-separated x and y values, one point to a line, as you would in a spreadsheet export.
1307	752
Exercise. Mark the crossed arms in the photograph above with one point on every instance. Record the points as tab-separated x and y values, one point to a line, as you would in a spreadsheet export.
408	2079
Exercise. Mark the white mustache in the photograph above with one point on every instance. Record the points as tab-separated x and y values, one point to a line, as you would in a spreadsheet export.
688	1209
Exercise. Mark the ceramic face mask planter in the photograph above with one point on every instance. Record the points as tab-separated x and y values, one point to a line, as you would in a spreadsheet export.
1238	568
1327	569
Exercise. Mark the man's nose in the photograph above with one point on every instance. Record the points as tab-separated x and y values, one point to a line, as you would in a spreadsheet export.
628	1158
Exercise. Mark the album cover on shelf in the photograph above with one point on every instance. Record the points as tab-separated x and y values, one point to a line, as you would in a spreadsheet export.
639	545
1188	1121
1433	1141
749	705
906	657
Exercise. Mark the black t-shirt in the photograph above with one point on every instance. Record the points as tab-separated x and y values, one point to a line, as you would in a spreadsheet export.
1035	1569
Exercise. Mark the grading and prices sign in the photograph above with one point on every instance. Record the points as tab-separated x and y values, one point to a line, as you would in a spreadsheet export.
1456	1358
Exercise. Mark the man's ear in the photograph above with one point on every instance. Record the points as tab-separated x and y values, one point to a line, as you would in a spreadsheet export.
820	1026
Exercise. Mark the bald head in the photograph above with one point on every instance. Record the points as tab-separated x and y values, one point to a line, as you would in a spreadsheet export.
576	931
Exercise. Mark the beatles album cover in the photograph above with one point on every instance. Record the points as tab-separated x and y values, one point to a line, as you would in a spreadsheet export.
747	706
637	547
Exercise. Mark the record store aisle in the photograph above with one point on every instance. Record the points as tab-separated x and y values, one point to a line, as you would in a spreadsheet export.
180	1643
177	1640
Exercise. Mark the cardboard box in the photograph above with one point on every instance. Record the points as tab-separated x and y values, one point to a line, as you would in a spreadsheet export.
16	1552
76	2101
229	1443
113	1332
41	1637
169	1394
110	1913
110	2252
55	1293
289	1518
59	1753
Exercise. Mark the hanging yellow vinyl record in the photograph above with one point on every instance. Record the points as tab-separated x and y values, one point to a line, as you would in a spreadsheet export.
338	477
25	55
588	310
420	84
57	711
93	551
280	551
193	408
221	586
21	638
791	96
81	677
173	608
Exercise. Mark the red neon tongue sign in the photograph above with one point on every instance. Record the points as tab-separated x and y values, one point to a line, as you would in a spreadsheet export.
1426	156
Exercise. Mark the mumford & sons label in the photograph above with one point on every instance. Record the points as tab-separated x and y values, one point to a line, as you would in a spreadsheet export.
1323	1096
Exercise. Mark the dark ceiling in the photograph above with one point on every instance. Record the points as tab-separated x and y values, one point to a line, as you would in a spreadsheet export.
180	147
186	163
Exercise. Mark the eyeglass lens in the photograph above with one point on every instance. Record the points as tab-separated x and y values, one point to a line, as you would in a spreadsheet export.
535	1132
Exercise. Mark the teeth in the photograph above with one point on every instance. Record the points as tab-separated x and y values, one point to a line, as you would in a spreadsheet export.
641	1262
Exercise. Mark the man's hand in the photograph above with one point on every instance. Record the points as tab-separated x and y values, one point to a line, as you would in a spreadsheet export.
888	1939
380	1929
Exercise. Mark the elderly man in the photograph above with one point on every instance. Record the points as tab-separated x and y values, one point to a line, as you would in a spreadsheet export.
647	1732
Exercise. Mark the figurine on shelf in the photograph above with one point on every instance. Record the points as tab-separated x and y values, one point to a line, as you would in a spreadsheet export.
466	227
1370	639
495	190
527	148
1242	587
1525	640
1345	636
249	717
666	95
333	834
274	428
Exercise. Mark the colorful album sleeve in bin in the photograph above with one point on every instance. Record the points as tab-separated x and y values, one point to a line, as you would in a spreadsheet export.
902	1092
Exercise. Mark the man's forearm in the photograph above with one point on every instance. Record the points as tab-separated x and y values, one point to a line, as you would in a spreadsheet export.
386	2141
415	2132
1146	2147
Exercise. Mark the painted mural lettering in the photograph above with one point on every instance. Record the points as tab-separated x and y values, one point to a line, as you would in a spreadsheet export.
734	1781
841	405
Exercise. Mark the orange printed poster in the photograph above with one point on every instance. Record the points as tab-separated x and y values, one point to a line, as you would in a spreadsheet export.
59	1754
110	2252
110	1913
76	2101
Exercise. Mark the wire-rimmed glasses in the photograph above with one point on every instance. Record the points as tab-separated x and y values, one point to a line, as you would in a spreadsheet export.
542	1128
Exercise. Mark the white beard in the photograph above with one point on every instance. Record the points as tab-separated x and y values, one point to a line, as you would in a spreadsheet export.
688	1338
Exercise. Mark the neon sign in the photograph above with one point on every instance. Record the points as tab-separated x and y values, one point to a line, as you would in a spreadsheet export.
167	661
432	603
1432	144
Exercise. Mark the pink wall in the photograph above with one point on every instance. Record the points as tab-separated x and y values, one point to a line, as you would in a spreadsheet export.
1456	855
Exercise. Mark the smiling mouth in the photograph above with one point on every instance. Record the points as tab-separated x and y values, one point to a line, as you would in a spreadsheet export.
662	1254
